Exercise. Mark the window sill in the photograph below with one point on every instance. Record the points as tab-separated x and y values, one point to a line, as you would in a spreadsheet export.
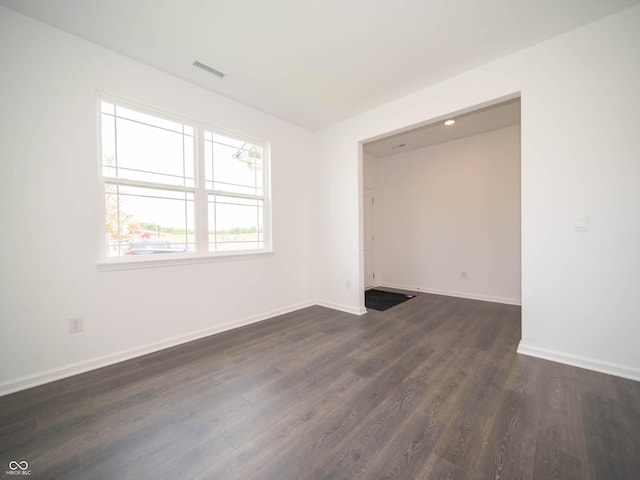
157	261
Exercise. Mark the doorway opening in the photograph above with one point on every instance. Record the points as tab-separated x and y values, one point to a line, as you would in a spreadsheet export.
442	206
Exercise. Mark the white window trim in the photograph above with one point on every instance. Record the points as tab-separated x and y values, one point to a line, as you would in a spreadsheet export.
201	255
124	263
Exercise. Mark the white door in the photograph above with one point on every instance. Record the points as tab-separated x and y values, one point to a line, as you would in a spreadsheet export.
369	276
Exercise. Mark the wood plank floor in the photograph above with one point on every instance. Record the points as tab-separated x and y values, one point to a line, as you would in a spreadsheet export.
430	389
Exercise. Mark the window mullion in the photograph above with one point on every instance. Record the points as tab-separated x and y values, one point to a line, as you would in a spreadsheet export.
143	184
225	193
202	220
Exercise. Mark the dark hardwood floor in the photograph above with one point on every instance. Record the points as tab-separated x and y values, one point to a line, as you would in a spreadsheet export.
430	389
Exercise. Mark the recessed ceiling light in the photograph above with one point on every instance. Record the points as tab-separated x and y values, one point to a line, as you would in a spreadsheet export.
451	121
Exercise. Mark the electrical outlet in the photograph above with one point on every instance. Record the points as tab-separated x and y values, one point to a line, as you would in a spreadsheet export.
75	325
463	274
347	285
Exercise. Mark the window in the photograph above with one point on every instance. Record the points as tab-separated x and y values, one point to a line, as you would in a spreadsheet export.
235	189
177	187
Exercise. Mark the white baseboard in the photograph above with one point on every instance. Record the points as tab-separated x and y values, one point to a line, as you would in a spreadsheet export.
582	362
342	308
51	375
451	293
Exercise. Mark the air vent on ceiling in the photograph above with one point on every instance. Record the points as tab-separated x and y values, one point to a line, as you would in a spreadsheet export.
208	69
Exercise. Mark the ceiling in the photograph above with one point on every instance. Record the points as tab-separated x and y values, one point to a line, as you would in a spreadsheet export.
497	116
316	62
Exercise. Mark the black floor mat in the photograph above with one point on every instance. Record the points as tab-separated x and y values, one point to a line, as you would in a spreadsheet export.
381	300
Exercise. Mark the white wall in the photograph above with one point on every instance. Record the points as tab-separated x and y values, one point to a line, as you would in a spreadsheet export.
580	151
50	215
450	208
369	173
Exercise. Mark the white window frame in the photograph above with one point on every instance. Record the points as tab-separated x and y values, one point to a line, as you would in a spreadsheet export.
201	196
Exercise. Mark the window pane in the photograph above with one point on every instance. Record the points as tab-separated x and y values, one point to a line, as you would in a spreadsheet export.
138	146
233	165
106	107
108	141
232	142
235	224
144	221
189	160
208	163
147	119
